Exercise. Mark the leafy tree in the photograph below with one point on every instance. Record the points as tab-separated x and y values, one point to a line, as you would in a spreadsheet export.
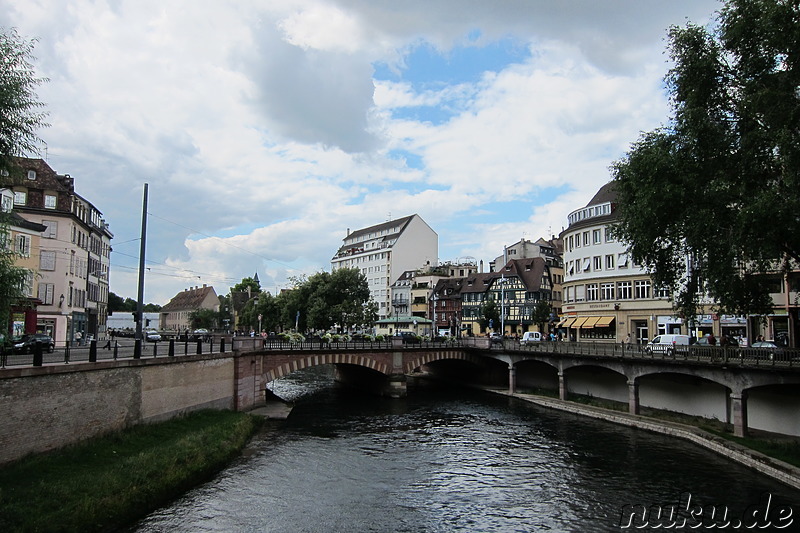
115	303
203	318
541	314
21	112
709	202
12	277
489	314
20	118
247	283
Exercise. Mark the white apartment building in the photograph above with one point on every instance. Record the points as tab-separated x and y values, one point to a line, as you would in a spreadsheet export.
385	251
605	296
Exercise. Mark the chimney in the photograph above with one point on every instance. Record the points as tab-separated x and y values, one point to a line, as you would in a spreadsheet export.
481	269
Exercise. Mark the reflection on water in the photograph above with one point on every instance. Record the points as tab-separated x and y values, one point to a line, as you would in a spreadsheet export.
449	460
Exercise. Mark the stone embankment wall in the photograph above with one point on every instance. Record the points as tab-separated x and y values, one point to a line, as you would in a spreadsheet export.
46	408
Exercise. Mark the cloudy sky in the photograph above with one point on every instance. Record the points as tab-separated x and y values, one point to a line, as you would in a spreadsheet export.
266	129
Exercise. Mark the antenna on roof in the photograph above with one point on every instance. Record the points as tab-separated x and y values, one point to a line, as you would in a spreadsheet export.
390	217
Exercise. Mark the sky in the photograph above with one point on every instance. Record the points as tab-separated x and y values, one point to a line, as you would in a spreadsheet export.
266	129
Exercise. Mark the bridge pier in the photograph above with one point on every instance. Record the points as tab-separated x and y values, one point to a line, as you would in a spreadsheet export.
739	408
512	379
633	397
396	386
562	386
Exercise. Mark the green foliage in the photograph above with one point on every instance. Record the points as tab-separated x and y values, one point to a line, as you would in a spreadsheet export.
541	314
203	318
327	299
489	311
107	483
709	201
247	283
12	277
20	111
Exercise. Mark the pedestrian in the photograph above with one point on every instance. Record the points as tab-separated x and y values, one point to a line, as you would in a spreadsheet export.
712	340
78	338
627	342
108	344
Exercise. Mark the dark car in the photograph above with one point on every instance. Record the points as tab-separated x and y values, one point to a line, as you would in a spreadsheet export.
408	337
27	343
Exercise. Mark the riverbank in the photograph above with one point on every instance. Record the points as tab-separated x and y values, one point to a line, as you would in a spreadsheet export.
770	466
109	482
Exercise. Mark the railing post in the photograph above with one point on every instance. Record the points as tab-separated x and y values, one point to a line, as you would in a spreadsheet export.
222	345
155	349
93	351
37	354
66	353
199	347
116	347
171	349
137	349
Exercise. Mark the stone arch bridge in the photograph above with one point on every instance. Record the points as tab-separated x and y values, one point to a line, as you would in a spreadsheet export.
606	372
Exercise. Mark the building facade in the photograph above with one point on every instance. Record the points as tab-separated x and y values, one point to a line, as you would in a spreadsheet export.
73	256
176	314
606	296
385	251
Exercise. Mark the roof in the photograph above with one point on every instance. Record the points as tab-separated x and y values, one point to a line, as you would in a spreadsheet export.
403	222
606	194
19	222
530	271
189	299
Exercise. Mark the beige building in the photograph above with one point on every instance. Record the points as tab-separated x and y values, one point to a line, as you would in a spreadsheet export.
73	256
175	315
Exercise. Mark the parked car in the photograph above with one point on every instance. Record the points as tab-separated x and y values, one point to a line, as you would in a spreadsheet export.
531	336
408	337
496	338
667	343
27	343
152	335
200	334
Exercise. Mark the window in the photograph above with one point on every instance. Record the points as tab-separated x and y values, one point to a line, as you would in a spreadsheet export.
609	234
587	264
47	260
598	263
586	238
23	245
46	291
27	285
596	236
642	289
51	230
578	240
20	197
610	262
624	291
591	292
607	291
50	201
622	260
31	174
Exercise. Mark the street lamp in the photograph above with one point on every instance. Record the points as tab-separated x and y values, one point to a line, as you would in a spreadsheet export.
255	308
502	304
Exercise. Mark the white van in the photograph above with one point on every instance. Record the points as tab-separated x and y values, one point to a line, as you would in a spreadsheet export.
530	336
667	343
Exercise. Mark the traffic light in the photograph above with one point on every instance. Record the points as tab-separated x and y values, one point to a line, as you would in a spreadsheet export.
147	322
135	316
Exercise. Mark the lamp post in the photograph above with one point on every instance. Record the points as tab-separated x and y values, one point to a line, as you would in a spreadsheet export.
255	308
435	332
503	304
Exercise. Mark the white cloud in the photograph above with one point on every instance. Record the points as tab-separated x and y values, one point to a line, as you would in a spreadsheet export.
263	135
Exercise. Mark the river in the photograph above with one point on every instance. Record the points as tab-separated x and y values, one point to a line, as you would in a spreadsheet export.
447	459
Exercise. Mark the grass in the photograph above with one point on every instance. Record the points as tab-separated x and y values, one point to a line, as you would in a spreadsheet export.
110	482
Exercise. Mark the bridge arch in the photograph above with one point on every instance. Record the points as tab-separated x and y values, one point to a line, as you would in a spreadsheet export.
419	360
300	363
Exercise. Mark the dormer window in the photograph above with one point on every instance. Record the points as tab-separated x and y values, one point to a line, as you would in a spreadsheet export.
31	175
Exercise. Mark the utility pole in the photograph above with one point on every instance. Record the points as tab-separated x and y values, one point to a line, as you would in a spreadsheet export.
140	300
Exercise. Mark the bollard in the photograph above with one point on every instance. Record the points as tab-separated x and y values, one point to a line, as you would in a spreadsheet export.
137	349
171	352
155	349
211	345
185	347
37	354
93	351
222	345
116	346
199	347
66	353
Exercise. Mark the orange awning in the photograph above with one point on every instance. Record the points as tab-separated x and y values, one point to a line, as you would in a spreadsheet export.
567	322
604	322
590	322
578	322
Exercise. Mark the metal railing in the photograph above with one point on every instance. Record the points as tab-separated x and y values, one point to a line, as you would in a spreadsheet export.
131	349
